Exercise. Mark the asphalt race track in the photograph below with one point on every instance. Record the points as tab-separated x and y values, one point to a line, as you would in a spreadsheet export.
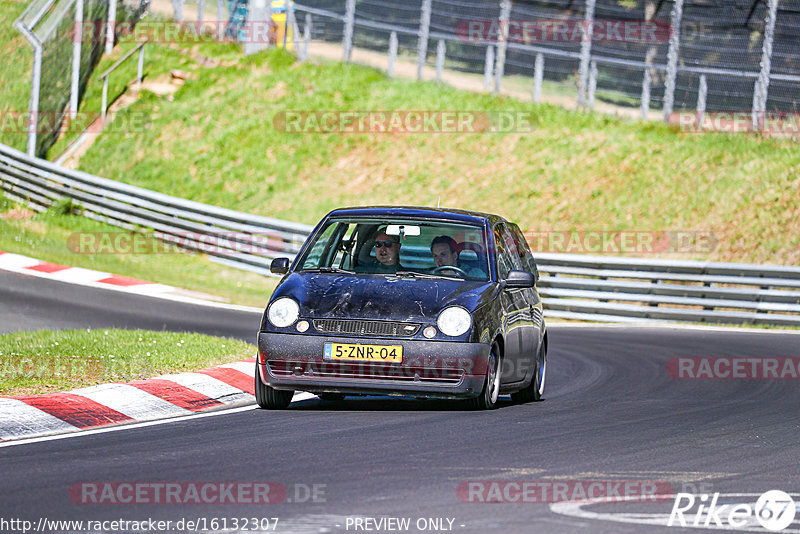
611	413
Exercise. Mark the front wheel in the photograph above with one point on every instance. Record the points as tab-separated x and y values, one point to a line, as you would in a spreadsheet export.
487	400
535	390
270	398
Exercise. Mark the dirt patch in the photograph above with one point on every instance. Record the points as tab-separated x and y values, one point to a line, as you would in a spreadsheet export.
18	214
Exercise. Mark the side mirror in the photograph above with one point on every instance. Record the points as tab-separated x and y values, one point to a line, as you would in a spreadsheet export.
520	279
279	266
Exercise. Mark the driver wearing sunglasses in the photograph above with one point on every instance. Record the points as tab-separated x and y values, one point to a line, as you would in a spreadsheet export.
387	252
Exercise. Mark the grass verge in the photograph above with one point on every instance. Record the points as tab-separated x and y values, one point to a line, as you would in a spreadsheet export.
216	142
45	236
47	361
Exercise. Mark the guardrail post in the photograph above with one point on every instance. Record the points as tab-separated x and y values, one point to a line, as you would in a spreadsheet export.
505	14
647	80
77	41
592	85
422	39
111	25
349	22
392	53
586	52
538	76
762	85
36	82
672	58
702	91
288	23
441	50
488	68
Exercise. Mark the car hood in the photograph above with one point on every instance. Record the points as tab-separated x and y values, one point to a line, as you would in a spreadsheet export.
384	297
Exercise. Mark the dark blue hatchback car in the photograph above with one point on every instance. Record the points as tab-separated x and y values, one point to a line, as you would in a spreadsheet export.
424	302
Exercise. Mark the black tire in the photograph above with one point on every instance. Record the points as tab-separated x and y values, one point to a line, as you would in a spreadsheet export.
487	400
331	396
270	398
535	390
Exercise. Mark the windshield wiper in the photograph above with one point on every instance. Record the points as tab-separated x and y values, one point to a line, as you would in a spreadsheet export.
329	270
413	274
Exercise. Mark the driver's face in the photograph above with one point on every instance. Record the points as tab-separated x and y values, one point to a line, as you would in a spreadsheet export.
442	255
387	255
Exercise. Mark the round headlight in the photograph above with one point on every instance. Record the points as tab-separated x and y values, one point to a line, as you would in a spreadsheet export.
283	312
454	321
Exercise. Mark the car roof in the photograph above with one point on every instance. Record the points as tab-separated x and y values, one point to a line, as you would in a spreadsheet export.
450	214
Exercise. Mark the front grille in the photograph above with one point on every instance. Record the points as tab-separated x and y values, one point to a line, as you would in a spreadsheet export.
361	327
365	370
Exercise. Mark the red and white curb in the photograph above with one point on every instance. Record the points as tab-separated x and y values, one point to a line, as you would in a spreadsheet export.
161	397
87	277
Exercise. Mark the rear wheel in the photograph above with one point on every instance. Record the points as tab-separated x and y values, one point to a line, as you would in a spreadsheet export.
535	390
271	398
491	386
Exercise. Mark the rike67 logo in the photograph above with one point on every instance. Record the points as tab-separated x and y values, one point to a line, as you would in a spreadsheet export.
774	510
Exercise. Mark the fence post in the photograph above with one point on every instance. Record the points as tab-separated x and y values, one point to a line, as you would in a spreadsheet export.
392	53
505	14
672	59
105	99
111	25
488	66
592	85
177	9
586	52
306	37
349	21
76	59
441	49
201	7
702	92
538	76
762	85
647	80
36	82
256	21
220	16
422	39
140	67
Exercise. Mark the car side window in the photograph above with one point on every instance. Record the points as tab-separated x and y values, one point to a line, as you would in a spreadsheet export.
528	263
507	257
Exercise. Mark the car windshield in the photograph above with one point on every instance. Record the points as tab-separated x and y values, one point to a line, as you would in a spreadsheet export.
406	247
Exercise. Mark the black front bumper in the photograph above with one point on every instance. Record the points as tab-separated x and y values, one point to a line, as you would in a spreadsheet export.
430	368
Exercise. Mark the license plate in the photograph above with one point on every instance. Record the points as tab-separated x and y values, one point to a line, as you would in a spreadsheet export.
363	353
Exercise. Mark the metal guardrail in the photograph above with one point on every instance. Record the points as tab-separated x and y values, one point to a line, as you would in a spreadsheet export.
594	288
233	238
